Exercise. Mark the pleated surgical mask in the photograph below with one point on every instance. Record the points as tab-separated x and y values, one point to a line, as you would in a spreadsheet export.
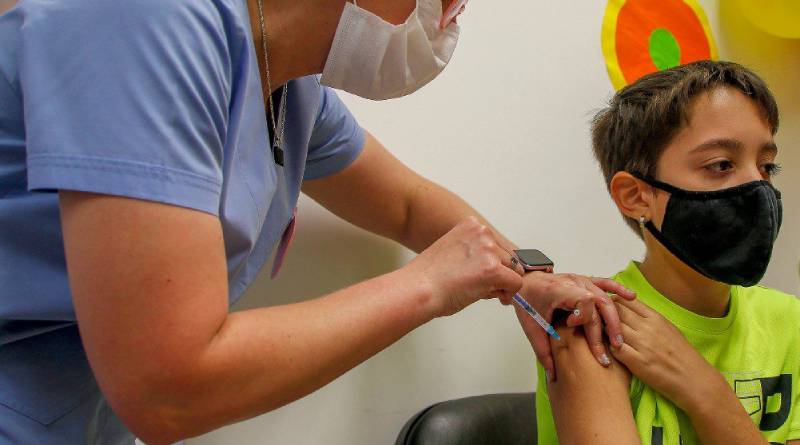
377	60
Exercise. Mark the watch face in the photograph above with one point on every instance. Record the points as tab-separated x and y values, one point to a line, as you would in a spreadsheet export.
533	259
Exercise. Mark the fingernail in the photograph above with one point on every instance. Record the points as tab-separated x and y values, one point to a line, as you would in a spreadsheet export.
619	339
576	312
547	376
604	360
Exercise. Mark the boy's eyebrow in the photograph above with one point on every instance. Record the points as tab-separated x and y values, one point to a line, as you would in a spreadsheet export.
731	144
770	148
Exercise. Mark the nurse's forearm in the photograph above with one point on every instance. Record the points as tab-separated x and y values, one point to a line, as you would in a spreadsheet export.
380	194
265	358
149	286
432	212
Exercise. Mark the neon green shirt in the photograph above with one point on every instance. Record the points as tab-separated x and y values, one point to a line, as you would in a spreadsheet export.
756	346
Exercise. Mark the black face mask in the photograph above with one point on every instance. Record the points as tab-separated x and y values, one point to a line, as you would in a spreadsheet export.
726	235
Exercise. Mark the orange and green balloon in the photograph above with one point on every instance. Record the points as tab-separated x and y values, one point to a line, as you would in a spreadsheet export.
643	36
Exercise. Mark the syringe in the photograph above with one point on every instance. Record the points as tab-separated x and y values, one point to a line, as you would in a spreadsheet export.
536	316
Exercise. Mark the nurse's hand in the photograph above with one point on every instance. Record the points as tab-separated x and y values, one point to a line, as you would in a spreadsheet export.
586	298
464	266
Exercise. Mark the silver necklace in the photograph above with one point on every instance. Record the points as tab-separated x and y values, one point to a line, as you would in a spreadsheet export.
277	146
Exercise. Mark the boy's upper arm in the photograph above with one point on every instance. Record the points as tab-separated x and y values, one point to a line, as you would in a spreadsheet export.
590	403
545	427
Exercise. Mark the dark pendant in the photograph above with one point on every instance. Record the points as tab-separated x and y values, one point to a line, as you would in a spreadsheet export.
277	153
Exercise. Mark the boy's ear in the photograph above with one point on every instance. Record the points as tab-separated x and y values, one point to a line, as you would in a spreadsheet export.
632	196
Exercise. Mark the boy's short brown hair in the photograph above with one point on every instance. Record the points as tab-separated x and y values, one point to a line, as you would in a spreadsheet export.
642	118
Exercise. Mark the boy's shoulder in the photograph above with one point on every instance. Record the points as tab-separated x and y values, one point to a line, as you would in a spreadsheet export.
768	295
764	302
757	304
764	291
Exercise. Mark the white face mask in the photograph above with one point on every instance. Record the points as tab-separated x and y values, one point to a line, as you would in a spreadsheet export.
377	60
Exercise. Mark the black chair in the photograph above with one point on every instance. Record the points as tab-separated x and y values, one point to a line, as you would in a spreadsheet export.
493	419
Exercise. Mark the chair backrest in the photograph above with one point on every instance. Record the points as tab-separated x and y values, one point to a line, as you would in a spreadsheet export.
493	419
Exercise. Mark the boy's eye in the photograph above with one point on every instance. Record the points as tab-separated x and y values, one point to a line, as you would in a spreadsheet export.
720	166
772	169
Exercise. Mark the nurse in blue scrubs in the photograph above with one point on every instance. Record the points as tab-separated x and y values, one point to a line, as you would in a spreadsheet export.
145	177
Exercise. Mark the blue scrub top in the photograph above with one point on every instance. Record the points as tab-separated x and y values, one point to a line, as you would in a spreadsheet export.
157	100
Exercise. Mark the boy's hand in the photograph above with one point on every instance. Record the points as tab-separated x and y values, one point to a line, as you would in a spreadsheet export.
658	354
589	303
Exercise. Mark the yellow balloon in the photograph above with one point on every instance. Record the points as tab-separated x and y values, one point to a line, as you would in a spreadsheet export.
780	18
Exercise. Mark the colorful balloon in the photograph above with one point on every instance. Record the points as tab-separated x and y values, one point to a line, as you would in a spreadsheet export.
643	36
780	18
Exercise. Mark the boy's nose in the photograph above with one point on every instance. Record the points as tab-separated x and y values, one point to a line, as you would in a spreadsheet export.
751	174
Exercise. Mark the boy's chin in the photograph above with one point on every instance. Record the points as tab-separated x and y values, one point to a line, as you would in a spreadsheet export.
665	258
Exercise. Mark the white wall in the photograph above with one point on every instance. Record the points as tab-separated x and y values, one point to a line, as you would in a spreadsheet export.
506	128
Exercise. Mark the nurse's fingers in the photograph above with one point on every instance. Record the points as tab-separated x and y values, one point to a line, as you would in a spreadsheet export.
540	342
594	336
510	260
611	318
507	283
613	287
582	314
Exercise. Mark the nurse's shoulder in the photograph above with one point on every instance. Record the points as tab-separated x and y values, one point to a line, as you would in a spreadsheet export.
133	22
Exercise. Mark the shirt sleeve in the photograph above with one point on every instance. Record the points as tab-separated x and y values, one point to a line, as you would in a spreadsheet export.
336	140
127	98
794	420
545	425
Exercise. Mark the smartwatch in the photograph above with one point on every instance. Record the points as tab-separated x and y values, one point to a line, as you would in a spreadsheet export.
534	260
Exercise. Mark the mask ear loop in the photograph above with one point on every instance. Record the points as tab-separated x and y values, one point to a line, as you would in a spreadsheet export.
454	10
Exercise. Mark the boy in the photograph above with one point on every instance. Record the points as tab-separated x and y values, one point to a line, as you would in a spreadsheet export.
708	357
